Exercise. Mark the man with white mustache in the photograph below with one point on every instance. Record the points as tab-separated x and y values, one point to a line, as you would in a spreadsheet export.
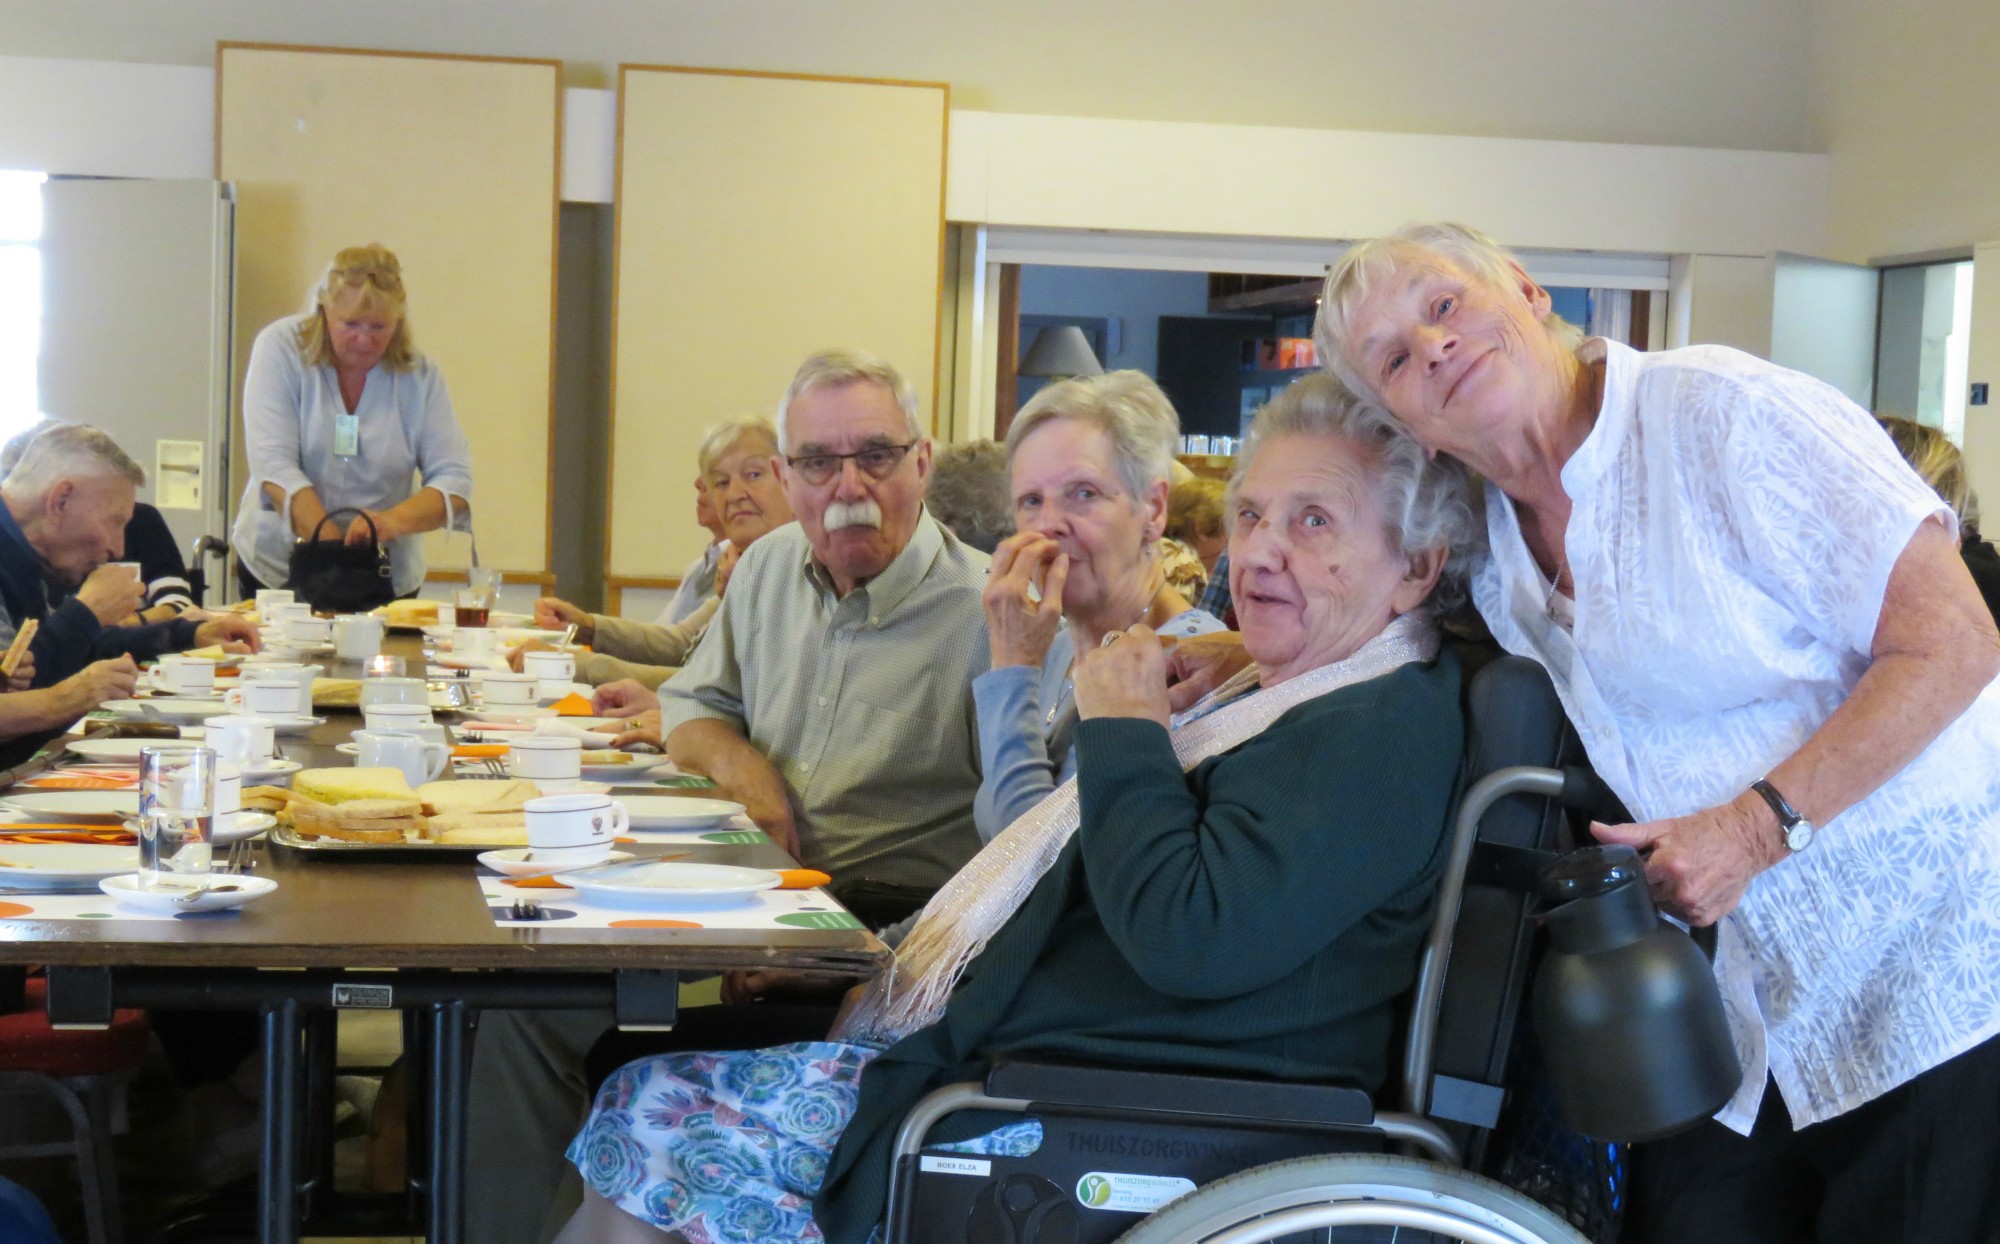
832	697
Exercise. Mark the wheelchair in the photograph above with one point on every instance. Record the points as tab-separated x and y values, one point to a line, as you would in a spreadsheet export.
1161	1157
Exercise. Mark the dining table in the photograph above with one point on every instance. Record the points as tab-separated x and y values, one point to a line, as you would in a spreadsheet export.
412	933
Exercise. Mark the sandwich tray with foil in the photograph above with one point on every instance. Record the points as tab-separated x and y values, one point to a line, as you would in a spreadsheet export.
286	836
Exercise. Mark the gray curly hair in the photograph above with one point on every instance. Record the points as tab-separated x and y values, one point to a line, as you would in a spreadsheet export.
969	493
1426	502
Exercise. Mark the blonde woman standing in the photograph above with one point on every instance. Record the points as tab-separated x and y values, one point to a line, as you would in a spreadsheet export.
340	411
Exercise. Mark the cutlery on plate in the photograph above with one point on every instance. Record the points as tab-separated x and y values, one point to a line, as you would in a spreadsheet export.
194	896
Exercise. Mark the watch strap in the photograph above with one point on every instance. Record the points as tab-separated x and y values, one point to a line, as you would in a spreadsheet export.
1787	815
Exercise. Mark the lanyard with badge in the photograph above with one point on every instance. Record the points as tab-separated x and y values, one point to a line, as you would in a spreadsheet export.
346	435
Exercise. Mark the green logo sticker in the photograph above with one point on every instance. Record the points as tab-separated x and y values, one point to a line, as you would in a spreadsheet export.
685	781
1129	1194
736	837
820	920
1094	1190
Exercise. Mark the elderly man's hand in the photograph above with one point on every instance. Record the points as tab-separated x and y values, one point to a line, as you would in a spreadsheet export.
1126	677
113	593
24	672
98	682
552	614
1198	664
1023	598
233	631
641	729
624	698
1699	865
725	566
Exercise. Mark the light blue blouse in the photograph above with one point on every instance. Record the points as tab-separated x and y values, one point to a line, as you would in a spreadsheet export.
1026	718
410	440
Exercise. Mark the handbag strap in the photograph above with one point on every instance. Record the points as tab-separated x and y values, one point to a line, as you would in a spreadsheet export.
374	536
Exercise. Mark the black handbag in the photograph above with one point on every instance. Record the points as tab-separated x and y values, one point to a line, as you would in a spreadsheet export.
336	577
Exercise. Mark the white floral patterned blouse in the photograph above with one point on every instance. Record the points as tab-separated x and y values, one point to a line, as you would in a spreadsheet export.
1733	531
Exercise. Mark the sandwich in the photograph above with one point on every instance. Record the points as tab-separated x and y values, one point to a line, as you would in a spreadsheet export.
266	798
512	795
411	613
336	692
607	756
360	820
335	786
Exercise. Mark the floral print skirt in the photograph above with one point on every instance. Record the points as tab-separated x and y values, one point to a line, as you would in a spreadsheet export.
729	1148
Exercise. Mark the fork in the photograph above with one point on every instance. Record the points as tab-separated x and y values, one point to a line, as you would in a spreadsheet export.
525	909
495	767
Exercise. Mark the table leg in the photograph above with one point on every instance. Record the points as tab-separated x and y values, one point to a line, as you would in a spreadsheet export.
278	1182
450	1068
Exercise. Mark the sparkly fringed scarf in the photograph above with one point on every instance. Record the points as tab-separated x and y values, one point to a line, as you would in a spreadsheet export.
981	897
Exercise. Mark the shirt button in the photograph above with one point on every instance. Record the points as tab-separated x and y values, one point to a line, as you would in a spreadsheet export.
822	701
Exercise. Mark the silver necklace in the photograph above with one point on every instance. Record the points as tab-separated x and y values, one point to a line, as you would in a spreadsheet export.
1555	585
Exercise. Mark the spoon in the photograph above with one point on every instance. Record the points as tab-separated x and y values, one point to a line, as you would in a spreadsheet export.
194	896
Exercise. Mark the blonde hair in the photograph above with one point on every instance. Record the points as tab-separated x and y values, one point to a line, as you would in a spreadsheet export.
365	279
1932	455
1195	509
1363	266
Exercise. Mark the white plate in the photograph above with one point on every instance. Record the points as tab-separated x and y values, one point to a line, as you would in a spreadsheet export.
514	715
673	885
514	863
246	825
52	865
639	769
170	708
677	812
266	770
123	749
77	805
569	786
127	889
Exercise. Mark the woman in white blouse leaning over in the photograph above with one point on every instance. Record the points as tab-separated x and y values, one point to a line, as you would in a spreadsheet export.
1759	623
340	411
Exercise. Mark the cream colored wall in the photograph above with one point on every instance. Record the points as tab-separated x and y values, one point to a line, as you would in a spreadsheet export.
760	219
451	163
1718	73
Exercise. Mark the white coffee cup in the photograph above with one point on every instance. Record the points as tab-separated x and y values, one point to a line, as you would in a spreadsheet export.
420	759
271	698
270	598
546	757
556	670
180	675
357	636
282	613
228	796
472	641
509	690
575	830
239	740
394	691
395	716
298	677
308	630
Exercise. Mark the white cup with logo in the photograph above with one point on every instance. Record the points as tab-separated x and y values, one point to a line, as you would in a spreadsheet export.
393	690
181	675
555	670
275	699
270	598
472	641
574	830
508	690
308	630
286	611
298	677
546	757
357	636
247	742
421	760
395	716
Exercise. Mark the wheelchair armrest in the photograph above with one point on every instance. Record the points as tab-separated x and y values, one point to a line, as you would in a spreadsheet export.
1179	1092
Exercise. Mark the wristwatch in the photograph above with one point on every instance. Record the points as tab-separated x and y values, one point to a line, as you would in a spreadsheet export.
1798	830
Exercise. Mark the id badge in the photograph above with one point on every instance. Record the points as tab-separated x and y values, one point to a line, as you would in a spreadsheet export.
346	435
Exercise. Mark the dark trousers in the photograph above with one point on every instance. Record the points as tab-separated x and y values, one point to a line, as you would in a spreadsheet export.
1918	1165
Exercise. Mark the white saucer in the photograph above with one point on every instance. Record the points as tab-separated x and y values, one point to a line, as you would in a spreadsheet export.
512	862
514	714
116	750
63	865
678	812
127	889
264	771
246	825
295	725
638	772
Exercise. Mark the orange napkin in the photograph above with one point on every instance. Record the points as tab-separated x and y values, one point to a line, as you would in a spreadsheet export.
573	705
479	751
82	781
802	878
106	837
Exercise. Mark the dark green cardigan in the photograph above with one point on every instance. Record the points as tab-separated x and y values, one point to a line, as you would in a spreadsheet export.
1258	914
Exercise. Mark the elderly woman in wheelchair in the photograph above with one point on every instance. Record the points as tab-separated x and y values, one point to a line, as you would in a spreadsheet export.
1241	887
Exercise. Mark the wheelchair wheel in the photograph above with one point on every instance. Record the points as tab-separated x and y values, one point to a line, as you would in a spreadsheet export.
1353	1190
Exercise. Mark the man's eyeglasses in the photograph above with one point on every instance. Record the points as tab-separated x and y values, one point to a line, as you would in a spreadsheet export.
876	462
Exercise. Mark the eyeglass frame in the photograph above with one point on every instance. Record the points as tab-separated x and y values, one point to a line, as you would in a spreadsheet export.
899	452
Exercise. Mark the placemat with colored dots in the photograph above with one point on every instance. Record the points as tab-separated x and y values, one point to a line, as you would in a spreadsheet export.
768	909
93	906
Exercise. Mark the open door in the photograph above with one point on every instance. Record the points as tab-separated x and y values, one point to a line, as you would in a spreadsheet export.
135	333
1823	321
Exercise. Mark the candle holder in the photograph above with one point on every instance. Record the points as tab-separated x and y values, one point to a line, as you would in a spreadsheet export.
384	666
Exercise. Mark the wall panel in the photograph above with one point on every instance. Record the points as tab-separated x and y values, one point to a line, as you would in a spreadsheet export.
452	162
760	217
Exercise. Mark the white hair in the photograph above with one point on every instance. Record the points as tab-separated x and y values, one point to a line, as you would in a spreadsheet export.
1426	502
1355	277
723	437
70	451
1127	407
830	369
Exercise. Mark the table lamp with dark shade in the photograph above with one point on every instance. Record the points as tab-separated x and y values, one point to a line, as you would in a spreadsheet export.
1060	351
1630	1019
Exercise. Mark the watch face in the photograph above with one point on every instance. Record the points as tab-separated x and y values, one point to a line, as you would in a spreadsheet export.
1799	836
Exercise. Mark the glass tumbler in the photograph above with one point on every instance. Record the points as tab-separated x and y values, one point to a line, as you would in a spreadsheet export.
176	813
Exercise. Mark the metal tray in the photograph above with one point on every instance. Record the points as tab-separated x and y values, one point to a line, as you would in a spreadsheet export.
431	852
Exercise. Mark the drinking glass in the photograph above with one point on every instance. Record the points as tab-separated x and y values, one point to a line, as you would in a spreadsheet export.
176	812
472	605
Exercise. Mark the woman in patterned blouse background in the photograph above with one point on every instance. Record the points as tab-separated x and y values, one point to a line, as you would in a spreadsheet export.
1738	587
